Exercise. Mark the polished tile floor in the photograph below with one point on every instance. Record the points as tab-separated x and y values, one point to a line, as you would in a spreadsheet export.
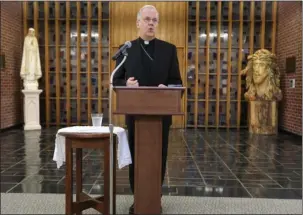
200	163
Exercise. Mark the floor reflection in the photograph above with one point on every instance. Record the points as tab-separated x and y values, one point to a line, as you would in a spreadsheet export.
200	163
33	180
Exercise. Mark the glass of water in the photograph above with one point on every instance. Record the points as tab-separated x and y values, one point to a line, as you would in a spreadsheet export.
97	119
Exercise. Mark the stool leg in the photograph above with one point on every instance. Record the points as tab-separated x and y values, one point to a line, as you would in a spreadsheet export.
78	177
69	177
106	179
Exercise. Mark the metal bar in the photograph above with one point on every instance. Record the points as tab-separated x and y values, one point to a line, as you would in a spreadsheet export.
100	57
25	12
219	8
230	10
89	86
251	37
186	65
68	69
262	35
46	78
240	66
111	127
274	26
252	27
78	63
58	68
36	13
111	36
197	63
207	63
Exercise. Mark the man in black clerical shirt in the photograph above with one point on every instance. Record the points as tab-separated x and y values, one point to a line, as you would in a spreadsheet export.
150	62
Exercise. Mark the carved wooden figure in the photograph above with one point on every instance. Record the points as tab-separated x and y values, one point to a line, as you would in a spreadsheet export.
263	92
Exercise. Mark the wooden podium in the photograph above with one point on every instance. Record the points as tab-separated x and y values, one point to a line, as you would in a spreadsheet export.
148	104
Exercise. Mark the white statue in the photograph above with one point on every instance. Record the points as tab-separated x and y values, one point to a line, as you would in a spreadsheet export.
30	67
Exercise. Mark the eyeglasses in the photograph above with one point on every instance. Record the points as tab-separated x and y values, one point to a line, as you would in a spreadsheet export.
148	19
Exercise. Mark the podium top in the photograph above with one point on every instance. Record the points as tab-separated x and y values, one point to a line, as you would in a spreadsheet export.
147	100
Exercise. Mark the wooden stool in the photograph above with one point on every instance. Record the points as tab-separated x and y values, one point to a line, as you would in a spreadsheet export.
81	141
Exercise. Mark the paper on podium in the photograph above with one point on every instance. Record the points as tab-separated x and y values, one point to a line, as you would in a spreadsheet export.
123	154
174	85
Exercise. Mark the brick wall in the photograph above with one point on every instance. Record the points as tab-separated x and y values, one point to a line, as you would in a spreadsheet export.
11	45
289	43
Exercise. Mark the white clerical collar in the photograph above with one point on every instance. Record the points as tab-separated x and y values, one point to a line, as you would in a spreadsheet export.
146	42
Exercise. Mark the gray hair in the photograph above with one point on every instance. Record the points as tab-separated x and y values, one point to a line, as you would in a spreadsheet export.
146	6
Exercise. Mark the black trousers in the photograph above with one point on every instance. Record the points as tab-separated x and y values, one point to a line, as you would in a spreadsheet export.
130	122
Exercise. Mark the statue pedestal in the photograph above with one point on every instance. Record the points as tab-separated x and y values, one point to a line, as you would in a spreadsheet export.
263	117
31	109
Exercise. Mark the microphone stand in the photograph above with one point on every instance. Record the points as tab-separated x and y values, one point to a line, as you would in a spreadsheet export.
111	130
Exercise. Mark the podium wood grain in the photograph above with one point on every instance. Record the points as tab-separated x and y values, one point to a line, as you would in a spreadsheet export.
148	164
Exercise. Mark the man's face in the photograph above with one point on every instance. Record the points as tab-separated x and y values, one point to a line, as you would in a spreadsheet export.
148	22
260	71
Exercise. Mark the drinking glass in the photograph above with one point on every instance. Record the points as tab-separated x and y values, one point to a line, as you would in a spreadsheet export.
97	119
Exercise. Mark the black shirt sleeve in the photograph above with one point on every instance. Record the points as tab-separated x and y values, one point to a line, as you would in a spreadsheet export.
174	72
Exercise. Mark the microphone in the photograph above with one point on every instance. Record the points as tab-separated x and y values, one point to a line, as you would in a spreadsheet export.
126	45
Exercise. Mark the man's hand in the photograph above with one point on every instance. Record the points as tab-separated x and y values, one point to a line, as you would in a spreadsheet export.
131	82
161	85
